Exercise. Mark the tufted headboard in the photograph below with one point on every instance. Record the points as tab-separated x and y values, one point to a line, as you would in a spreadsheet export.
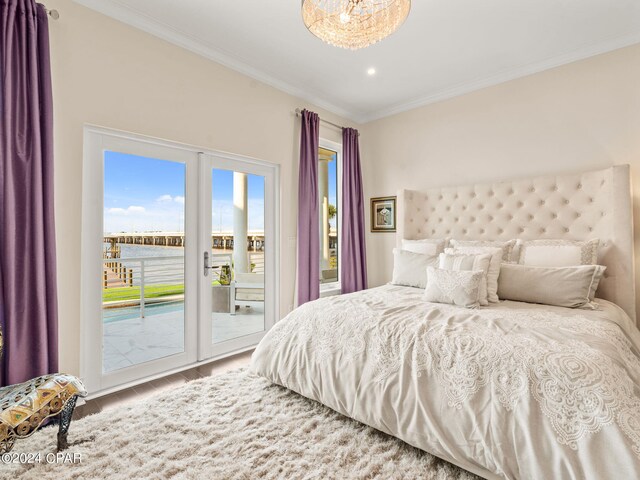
573	207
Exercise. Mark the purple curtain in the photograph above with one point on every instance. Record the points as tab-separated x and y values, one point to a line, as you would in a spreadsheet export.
28	295
308	210
353	260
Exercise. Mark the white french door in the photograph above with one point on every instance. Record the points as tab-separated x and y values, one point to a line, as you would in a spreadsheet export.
179	261
238	248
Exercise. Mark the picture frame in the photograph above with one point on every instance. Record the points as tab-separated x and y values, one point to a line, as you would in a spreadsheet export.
383	214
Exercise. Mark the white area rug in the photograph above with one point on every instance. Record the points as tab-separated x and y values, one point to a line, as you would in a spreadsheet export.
233	426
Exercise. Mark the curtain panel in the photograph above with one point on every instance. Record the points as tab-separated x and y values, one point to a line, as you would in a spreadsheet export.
28	295
353	259
308	210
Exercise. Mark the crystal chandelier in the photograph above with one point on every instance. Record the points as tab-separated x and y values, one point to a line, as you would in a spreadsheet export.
354	24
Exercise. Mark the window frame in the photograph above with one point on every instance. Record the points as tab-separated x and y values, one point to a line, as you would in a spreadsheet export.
95	141
334	288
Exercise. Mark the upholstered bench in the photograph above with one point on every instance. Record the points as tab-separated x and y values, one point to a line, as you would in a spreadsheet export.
24	407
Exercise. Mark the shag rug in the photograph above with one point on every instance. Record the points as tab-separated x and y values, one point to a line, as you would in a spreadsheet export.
232	426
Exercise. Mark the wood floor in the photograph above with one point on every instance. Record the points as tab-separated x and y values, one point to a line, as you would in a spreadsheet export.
145	390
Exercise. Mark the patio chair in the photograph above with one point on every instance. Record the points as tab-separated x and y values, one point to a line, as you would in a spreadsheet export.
25	407
247	289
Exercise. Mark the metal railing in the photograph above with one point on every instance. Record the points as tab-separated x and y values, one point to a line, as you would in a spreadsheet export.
160	281
138	282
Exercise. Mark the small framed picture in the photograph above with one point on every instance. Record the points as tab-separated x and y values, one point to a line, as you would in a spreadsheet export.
383	214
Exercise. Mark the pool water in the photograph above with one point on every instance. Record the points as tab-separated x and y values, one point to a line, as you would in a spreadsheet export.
128	313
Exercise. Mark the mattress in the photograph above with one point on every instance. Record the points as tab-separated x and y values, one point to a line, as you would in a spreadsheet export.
513	390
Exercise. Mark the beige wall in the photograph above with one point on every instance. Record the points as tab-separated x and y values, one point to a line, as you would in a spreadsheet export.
109	74
581	116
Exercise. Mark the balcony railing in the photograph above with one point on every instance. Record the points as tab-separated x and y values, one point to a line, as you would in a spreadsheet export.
139	282
142	281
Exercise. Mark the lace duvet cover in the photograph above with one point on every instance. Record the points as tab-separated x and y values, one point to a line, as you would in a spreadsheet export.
513	390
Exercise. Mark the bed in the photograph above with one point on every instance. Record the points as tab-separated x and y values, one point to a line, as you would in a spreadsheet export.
511	390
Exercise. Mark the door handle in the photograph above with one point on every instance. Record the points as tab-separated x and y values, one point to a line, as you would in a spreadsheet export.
206	264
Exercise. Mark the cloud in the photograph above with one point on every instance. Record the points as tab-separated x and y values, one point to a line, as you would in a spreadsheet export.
116	211
154	217
163	214
127	211
169	199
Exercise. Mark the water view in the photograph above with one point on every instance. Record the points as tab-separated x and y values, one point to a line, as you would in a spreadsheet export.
143	275
143	258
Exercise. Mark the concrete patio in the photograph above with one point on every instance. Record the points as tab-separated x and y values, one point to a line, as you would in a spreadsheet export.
137	340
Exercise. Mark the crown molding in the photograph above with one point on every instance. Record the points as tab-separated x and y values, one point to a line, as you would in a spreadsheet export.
507	75
141	21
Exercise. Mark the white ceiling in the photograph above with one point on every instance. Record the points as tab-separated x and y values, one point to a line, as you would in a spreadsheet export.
446	47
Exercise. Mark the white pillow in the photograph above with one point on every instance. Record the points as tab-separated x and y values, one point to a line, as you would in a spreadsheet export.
410	269
572	287
455	287
558	253
460	262
427	246
494	267
506	246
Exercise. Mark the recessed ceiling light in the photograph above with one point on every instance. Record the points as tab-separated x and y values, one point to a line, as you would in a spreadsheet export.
371	71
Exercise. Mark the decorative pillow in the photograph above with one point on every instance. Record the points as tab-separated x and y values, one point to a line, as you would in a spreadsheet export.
456	287
494	266
427	246
410	269
572	287
506	246
558	253
460	261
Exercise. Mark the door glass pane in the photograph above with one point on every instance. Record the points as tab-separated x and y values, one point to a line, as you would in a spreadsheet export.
328	192
237	254
143	260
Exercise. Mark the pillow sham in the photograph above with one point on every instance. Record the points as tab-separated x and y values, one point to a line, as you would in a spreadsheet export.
461	261
410	269
494	267
506	246
572	287
427	246
558	253
455	287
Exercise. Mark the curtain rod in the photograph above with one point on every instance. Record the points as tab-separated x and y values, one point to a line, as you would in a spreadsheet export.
299	113
53	13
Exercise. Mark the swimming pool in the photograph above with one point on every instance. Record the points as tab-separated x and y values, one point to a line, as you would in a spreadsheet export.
110	315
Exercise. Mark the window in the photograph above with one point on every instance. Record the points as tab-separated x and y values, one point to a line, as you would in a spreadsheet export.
329	215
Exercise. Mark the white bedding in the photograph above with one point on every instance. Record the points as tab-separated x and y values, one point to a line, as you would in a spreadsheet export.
512	390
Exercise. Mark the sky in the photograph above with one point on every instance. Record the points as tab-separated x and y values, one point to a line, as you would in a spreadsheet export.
145	195
222	201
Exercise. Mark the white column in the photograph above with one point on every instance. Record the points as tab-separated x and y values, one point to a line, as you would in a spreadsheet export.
240	223
323	191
